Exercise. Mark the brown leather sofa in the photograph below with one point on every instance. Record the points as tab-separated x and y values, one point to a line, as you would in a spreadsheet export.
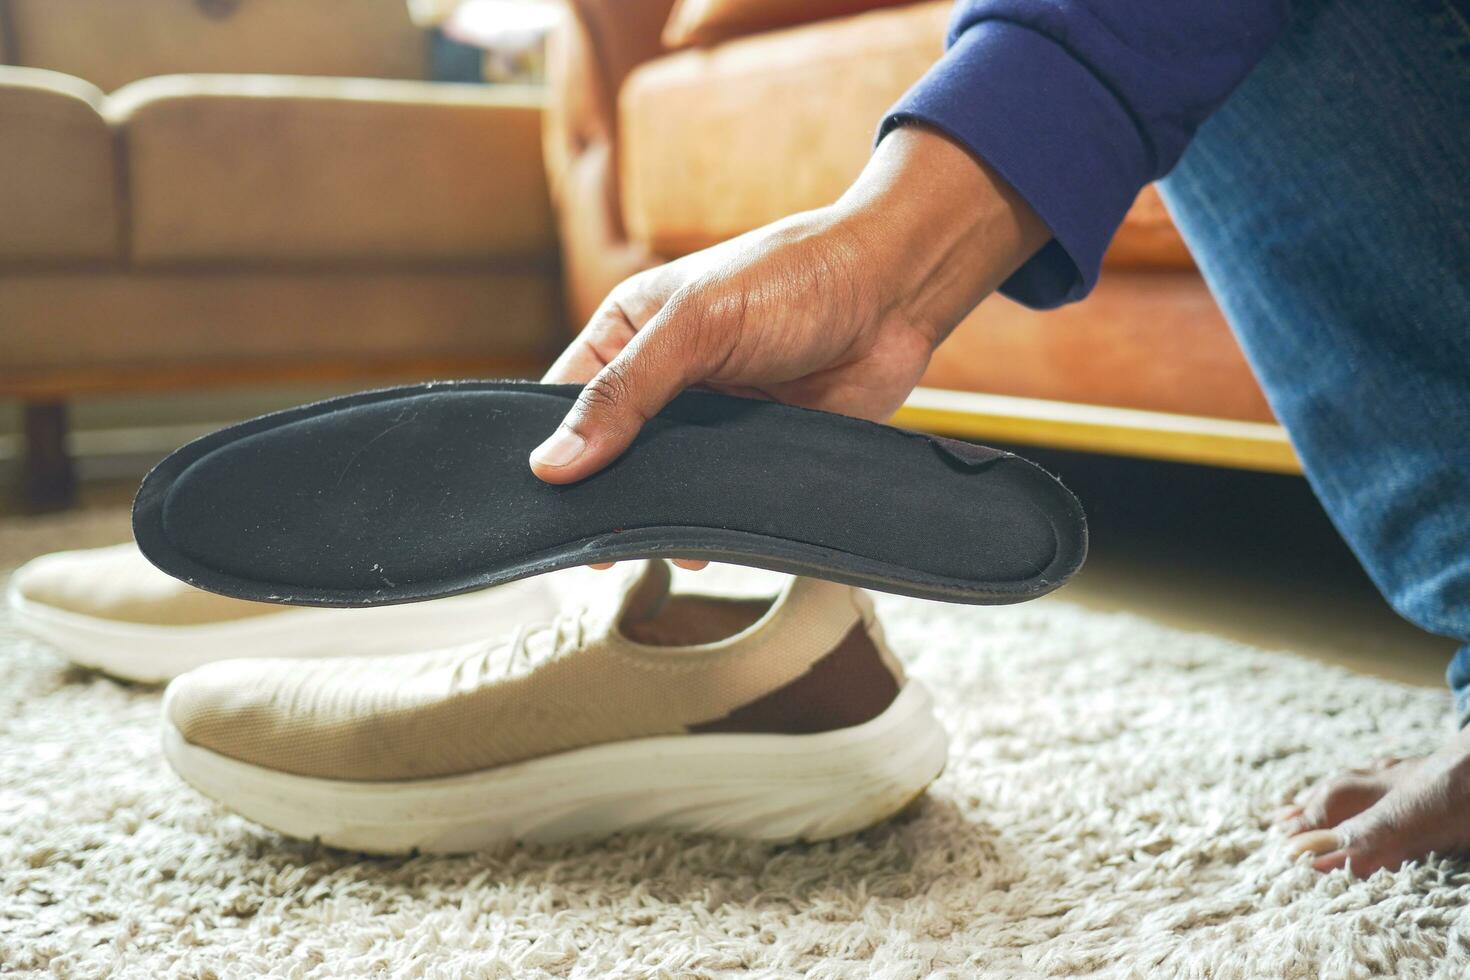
655	152
180	205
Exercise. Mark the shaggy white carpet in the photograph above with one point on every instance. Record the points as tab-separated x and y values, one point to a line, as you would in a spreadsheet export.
1100	816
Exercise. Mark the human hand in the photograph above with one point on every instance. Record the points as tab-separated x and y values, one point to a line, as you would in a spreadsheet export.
838	309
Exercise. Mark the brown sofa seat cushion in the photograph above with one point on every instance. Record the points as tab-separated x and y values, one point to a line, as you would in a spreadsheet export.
58	171
113	42
714	142
81	331
266	169
1146	340
710	21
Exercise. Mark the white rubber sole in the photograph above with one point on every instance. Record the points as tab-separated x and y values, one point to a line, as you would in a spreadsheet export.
762	787
154	654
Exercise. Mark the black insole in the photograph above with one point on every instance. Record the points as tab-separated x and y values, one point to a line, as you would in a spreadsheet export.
424	491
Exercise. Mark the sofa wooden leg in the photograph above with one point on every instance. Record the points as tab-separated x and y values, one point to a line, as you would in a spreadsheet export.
49	479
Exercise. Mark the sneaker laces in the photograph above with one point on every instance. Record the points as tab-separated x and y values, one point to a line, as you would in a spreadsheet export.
566	632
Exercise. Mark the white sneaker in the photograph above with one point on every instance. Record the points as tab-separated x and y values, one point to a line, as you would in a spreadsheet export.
109	609
765	718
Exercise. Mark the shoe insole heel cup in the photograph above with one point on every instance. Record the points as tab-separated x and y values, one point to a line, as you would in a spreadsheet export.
420	492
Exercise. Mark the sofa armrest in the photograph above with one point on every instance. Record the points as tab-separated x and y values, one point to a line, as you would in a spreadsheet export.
264	168
596	47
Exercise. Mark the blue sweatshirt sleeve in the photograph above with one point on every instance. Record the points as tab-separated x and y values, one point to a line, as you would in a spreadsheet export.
1079	104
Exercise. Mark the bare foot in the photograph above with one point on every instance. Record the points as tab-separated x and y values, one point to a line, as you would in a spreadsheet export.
1394	811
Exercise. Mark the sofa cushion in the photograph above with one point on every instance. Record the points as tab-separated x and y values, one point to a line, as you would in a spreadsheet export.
58	173
265	169
716	141
120	329
113	42
711	21
1146	340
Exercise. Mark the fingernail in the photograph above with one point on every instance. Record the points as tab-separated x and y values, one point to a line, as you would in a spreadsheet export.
563	447
1314	841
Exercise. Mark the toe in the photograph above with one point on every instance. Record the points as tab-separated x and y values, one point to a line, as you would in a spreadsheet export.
1332	849
1292	826
1314	842
1369	850
1382	836
1414	807
1364	864
1285	814
1331	802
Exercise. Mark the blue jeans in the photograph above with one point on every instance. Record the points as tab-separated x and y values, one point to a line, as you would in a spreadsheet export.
1328	205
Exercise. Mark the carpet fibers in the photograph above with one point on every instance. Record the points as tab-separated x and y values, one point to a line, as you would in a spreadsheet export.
1100	816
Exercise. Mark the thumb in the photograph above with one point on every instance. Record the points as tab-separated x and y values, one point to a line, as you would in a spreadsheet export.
613	407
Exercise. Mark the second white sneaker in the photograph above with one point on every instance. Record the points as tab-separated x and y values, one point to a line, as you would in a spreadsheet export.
109	609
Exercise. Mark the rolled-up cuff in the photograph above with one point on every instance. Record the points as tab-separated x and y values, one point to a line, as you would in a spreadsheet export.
1053	130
